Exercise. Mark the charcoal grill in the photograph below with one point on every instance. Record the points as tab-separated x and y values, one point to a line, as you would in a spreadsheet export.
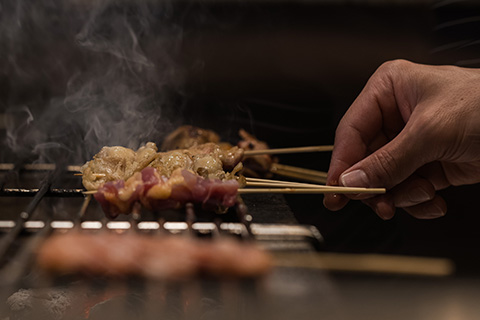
44	209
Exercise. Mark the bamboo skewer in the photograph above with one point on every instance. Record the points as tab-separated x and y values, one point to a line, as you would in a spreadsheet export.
291	174
299	173
342	190
273	183
369	263
287	184
268	182
276	168
288	150
275	186
98	175
284	185
282	167
271	151
318	190
301	177
289	171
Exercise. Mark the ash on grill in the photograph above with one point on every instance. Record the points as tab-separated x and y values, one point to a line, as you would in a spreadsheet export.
36	212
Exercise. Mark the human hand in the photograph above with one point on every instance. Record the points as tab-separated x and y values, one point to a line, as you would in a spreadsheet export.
414	129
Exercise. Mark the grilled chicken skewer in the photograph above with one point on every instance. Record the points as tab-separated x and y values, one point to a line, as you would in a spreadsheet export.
165	257
194	174
119	163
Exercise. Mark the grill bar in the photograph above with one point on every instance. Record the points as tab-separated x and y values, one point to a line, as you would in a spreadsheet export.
36	167
54	192
180	300
81	213
13	272
258	231
32	232
244	228
245	219
25	215
9	175
190	218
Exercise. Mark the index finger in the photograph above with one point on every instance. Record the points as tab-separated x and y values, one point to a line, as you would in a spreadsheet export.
372	120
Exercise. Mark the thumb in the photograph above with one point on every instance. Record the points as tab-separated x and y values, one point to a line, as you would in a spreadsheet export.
386	167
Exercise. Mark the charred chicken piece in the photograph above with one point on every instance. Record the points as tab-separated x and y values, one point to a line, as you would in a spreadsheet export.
162	258
187	136
255	166
114	163
157	192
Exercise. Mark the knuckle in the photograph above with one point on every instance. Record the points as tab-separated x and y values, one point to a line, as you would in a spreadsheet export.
393	66
385	165
388	73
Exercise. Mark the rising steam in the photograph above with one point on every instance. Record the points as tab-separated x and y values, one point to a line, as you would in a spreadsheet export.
75	76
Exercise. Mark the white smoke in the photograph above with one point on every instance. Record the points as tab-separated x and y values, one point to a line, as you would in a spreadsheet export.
82	74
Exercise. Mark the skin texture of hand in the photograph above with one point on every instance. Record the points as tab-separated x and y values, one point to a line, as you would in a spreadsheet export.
414	129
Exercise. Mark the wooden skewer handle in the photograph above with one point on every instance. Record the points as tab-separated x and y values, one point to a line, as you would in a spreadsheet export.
289	150
371	263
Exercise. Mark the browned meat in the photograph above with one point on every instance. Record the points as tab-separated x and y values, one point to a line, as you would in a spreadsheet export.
157	192
186	136
253	166
118	163
114	163
207	160
164	258
259	165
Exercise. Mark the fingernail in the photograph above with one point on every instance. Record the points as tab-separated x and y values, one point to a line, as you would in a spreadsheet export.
438	212
357	178
384	210
419	195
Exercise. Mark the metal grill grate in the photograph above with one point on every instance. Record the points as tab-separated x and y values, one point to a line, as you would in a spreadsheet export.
242	227
131	298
